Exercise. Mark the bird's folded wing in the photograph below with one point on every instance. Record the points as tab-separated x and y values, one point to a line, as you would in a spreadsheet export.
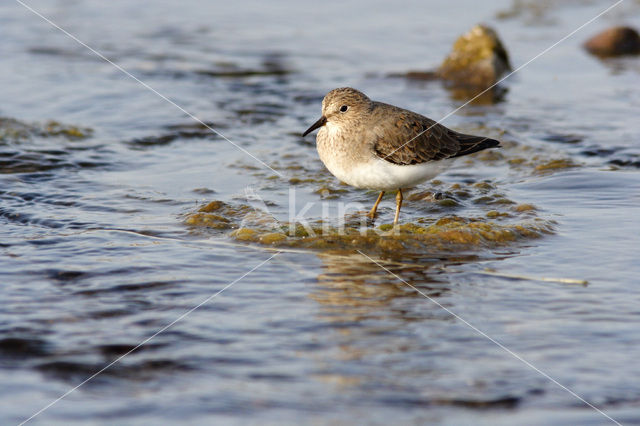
408	138
413	139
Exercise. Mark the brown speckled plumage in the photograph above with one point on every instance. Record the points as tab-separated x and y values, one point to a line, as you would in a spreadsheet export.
417	139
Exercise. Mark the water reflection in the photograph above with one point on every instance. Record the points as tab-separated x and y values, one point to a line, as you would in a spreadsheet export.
352	288
489	96
386	342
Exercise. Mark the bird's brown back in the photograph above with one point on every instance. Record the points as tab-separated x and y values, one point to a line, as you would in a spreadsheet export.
404	137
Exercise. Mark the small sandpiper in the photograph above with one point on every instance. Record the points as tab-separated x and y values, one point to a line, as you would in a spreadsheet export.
373	145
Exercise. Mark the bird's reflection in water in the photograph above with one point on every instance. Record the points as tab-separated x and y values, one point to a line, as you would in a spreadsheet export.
369	316
353	288
381	340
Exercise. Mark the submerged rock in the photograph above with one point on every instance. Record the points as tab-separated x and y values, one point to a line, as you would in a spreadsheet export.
449	233
614	41
478	59
504	223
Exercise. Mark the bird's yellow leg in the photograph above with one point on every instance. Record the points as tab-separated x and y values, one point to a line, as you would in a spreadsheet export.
372	213
398	205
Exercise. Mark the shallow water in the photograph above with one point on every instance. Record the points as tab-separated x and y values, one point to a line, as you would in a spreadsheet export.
97	252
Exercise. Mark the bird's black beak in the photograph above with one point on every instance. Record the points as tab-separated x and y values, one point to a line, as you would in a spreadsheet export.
317	124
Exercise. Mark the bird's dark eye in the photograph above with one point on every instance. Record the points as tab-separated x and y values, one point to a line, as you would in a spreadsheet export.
344	108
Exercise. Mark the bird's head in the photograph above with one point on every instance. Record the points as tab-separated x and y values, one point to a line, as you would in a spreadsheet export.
341	105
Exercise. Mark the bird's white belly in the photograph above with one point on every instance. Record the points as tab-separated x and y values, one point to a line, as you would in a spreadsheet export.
362	169
385	176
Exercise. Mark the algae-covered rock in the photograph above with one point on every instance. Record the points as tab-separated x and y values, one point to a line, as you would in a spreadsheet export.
526	159
272	237
244	234
478	59
493	214
209	220
526	207
12	130
448	233
561	163
55	128
212	206
614	41
248	222
493	221
327	192
218	215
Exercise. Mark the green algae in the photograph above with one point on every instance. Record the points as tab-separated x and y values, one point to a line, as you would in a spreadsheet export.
540	163
521	158
217	215
212	206
12	130
561	163
485	199
55	128
245	234
499	199
213	221
484	186
447	203
496	228
462	194
297	181
327	192
272	238
526	207
493	214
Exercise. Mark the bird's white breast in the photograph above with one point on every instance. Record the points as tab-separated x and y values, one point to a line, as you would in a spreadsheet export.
357	165
385	176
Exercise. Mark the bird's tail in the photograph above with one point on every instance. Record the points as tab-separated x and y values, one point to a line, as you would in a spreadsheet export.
470	144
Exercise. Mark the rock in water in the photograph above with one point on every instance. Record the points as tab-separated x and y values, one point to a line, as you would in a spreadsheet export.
614	42
478	59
